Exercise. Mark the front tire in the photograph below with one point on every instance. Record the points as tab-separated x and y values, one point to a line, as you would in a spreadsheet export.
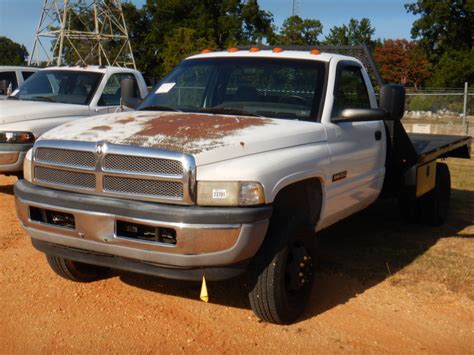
76	271
282	274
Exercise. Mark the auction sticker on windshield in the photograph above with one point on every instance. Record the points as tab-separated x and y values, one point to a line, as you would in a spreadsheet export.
164	88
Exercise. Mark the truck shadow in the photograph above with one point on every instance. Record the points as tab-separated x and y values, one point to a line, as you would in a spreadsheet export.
353	256
6	189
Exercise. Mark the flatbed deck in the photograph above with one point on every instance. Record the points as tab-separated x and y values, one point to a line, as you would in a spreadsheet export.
434	146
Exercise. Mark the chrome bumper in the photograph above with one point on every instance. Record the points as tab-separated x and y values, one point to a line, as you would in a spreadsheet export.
197	244
11	161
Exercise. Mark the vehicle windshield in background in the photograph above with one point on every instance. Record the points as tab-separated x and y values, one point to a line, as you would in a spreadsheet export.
64	86
277	88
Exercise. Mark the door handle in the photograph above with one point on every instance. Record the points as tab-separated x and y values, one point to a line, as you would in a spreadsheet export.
378	135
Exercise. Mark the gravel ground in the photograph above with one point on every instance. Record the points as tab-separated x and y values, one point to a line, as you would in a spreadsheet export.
378	289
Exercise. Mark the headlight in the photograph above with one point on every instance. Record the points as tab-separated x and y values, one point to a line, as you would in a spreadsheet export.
17	137
27	166
229	193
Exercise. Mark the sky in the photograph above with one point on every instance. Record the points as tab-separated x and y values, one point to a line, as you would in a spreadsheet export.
19	18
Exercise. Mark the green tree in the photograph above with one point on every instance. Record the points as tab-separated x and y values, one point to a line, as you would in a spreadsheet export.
454	69
223	23
179	44
298	31
12	53
354	33
443	26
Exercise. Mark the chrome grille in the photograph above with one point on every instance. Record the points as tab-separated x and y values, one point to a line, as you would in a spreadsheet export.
136	164
166	189
65	178
66	157
136	173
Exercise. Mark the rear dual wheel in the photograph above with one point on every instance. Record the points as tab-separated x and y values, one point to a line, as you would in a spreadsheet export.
431	208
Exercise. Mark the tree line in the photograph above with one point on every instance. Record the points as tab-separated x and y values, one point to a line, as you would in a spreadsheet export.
163	32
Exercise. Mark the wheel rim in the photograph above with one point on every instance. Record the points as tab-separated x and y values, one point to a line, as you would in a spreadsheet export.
299	270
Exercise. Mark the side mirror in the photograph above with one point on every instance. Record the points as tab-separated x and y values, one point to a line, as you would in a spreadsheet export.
4	87
127	99
392	100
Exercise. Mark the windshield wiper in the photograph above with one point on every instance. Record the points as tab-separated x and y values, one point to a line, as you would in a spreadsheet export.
159	108
228	111
43	98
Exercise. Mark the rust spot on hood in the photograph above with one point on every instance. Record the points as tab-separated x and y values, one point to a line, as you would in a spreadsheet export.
126	120
194	127
101	128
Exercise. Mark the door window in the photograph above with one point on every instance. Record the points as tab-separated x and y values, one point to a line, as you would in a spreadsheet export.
113	91
27	74
10	77
350	90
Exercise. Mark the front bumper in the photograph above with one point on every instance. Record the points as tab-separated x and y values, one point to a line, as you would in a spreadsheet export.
201	242
12	156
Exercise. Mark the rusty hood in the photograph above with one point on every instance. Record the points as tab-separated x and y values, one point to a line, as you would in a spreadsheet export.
209	138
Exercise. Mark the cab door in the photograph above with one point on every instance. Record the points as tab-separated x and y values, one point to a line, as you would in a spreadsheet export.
357	148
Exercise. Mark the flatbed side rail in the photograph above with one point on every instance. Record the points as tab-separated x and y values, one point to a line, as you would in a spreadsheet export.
455	147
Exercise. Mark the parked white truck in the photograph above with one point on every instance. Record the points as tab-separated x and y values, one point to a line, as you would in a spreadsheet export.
54	96
231	165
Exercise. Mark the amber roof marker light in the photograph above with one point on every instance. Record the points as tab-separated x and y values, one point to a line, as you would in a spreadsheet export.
277	50
254	49
315	51
207	50
233	50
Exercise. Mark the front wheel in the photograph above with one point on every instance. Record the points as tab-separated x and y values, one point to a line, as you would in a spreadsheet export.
76	271
282	275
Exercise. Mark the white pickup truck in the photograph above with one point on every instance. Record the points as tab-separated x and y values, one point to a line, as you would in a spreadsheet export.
232	165
54	96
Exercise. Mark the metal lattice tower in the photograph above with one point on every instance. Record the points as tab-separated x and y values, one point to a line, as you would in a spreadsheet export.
82	32
295	8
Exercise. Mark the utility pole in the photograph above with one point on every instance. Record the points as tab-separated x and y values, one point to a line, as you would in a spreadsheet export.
82	32
294	8
464	111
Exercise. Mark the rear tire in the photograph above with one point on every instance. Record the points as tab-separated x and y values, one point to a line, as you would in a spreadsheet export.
76	271
282	274
434	206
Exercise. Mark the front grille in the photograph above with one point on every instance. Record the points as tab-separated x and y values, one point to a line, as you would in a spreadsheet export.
129	163
113	170
65	178
165	189
73	158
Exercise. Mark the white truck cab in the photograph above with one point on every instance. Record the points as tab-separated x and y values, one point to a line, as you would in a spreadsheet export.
231	165
54	96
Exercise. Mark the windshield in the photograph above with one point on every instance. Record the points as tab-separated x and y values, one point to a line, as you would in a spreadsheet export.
269	87
64	86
